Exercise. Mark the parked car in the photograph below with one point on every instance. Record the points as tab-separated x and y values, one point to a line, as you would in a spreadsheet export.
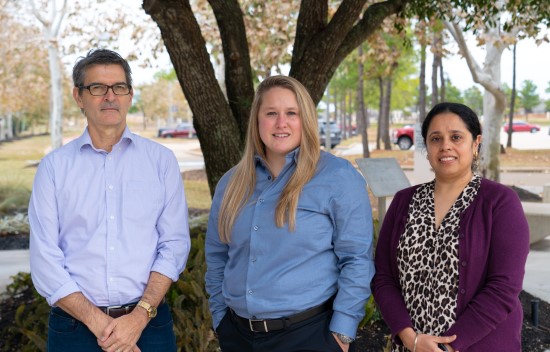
403	137
522	126
181	130
335	133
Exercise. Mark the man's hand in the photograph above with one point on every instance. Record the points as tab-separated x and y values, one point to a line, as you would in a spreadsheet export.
343	346
122	334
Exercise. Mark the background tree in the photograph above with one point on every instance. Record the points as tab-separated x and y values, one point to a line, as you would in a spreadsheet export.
23	77
528	97
51	20
498	23
323	39
512	101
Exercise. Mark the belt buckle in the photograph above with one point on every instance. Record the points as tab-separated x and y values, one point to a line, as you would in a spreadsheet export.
250	321
108	309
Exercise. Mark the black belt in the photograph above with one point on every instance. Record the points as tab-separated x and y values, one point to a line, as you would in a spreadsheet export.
118	311
261	325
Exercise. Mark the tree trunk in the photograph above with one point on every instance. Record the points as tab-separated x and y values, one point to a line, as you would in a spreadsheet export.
385	125
435	67
361	113
494	99
512	99
219	134
380	113
422	85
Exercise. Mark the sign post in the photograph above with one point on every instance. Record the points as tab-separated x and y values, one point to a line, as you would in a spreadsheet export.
385	178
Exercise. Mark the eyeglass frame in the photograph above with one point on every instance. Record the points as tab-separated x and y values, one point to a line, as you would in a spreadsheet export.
108	87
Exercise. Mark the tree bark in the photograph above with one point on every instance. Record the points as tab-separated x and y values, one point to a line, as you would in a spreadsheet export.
385	123
218	130
512	100
361	113
422	85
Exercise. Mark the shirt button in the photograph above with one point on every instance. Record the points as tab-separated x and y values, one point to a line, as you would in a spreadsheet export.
249	292
269	177
261	200
111	187
112	217
112	248
255	228
463	263
463	291
109	158
111	279
254	259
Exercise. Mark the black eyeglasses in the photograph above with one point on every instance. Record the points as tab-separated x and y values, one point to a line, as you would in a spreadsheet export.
102	89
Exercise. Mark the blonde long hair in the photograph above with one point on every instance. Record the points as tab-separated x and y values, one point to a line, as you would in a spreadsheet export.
241	185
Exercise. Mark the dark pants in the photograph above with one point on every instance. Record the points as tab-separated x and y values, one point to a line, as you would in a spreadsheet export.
309	335
65	333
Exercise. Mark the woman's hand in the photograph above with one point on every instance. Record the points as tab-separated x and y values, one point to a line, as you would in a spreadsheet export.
428	343
424	342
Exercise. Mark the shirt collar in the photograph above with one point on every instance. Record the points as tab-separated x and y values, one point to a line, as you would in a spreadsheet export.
291	156
85	139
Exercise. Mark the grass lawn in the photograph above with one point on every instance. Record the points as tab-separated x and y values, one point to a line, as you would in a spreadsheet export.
18	160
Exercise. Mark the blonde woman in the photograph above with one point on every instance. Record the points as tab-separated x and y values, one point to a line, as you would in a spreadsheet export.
289	240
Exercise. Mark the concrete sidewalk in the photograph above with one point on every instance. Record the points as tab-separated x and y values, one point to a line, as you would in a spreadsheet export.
12	262
536	282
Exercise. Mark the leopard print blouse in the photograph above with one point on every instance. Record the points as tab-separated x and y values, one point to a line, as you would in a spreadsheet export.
428	260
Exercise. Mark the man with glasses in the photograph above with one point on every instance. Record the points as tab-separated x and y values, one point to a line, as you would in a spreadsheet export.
109	227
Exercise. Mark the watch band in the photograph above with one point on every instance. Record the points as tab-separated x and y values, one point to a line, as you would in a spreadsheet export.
151	310
343	338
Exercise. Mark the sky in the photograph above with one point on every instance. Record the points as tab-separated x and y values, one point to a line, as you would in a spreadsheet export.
532	63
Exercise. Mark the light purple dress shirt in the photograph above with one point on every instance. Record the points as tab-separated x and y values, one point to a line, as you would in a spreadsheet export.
101	222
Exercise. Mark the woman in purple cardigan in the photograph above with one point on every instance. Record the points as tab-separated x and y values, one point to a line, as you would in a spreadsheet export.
451	253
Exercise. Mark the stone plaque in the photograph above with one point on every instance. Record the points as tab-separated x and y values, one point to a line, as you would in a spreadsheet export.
384	175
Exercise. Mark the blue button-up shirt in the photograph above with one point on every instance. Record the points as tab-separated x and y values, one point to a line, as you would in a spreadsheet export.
268	272
101	222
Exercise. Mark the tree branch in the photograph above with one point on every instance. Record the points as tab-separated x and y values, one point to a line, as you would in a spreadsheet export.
238	73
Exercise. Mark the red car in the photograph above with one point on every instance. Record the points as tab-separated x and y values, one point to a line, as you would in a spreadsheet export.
403	137
521	126
181	130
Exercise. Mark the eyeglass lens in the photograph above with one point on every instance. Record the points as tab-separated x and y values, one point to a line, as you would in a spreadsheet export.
101	89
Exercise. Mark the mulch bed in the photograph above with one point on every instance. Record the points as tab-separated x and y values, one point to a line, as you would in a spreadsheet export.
373	338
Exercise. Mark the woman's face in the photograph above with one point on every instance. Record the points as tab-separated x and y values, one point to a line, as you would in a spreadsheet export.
450	146
279	122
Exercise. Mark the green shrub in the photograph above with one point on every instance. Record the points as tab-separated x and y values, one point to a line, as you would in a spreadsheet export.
26	327
26	313
13	199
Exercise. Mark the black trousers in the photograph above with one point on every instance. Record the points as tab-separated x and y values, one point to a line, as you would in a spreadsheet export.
311	335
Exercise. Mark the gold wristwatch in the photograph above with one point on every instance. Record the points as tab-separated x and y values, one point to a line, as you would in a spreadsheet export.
151	310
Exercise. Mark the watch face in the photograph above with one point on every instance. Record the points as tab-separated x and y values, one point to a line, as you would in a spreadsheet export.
153	312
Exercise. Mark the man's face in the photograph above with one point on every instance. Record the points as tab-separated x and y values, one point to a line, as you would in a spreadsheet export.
105	111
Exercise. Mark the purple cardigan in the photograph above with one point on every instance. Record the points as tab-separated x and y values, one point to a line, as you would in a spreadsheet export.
492	250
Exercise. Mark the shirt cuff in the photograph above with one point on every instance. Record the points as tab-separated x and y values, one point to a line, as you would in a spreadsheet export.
217	318
343	324
164	268
65	290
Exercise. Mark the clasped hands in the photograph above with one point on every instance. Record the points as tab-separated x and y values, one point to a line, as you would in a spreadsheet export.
120	334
